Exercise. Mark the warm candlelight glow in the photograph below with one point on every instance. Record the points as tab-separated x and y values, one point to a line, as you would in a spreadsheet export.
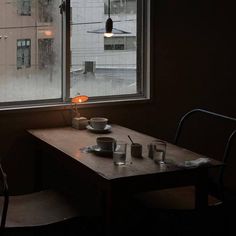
79	99
77	121
76	100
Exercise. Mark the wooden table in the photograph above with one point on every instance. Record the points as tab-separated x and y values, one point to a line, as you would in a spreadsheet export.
140	174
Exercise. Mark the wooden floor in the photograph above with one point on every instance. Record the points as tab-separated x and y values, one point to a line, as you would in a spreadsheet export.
76	227
138	224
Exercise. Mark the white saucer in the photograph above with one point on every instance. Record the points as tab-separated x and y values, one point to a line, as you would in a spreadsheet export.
100	131
100	152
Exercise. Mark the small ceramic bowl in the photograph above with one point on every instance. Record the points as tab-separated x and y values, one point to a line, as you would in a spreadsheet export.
106	143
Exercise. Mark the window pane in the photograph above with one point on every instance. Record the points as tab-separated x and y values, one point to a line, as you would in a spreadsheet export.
23	53
103	66
121	6
30	65
24	7
45	9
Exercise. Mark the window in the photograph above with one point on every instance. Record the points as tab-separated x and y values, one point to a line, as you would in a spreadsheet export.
24	7
50	57
30	70
117	60
121	6
23	53
45	9
46	54
120	43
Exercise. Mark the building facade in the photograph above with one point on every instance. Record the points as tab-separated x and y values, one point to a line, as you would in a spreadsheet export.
26	35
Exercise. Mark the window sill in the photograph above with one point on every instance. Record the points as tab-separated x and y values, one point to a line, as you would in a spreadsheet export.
67	105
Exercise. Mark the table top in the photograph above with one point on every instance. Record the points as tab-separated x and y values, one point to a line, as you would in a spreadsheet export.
71	141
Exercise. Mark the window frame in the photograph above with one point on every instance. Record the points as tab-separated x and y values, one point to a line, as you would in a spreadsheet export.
143	62
23	50
21	10
143	69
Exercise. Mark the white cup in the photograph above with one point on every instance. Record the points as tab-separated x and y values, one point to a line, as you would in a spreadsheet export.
98	123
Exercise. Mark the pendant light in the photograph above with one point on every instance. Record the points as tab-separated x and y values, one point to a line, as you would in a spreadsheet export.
109	31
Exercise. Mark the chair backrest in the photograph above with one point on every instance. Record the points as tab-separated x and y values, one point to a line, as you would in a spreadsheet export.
211	134
228	176
5	195
205	132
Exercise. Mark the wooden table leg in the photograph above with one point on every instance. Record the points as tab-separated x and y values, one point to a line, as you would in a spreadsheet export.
37	165
106	200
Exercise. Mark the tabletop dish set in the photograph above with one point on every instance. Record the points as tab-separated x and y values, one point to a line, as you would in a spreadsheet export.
109	147
95	124
98	125
117	149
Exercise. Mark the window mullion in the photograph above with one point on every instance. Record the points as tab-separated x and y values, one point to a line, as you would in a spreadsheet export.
66	51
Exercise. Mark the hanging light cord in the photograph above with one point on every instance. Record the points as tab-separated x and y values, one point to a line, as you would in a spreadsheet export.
109	6
109	23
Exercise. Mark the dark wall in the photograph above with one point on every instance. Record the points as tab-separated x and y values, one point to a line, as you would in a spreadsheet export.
194	56
192	46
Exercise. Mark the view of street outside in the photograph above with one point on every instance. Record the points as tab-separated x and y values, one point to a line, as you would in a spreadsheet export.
30	42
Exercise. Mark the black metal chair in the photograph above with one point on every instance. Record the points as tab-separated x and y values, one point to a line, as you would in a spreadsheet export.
179	203
219	130
35	211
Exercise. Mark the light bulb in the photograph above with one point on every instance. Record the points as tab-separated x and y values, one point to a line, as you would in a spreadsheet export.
108	35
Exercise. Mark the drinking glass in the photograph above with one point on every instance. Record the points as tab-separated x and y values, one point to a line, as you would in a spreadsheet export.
119	153
159	151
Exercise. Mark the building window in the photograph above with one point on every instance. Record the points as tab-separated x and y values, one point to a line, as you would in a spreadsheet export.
120	43
24	7
23	53
51	58
45	10
45	53
120	6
